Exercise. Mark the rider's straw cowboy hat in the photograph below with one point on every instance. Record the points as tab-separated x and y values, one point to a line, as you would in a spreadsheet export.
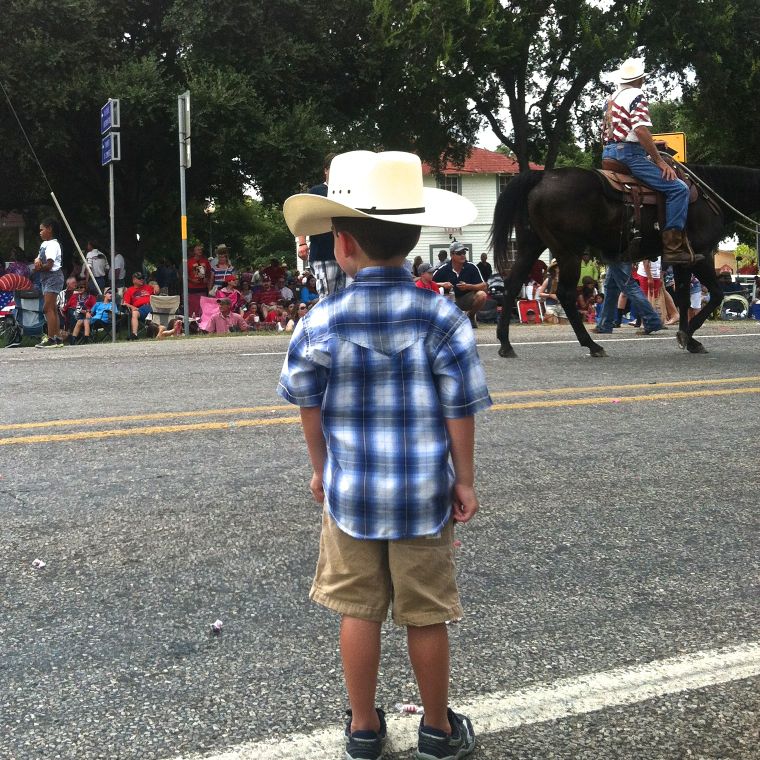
385	186
630	71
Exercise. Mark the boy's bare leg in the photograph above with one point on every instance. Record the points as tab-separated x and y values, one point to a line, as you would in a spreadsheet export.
429	653
360	650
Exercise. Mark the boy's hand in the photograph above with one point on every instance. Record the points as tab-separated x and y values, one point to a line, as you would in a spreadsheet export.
316	488
465	503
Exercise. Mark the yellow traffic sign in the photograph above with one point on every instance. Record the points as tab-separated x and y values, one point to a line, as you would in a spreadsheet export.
675	141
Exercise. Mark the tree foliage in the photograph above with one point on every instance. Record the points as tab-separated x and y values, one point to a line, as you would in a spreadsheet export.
275	84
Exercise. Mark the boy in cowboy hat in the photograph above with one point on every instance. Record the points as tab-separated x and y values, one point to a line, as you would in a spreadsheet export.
626	138
388	380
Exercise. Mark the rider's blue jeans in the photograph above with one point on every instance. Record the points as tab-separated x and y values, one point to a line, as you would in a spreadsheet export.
676	191
619	280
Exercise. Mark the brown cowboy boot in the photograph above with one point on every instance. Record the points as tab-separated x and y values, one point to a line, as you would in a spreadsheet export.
676	249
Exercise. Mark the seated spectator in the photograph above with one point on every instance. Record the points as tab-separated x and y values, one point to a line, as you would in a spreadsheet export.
598	305
102	312
97	315
255	315
226	320
276	316
268	294
291	317
426	282
469	289
302	309
63	299
548	294
727	284
586	299
286	294
78	307
246	293
137	300
309	291
229	290
174	329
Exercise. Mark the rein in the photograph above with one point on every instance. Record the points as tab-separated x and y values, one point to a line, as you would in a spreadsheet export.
705	186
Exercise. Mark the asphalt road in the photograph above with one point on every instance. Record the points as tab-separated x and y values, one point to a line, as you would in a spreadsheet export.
164	486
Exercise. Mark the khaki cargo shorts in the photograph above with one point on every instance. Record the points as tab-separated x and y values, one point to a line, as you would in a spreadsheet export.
362	578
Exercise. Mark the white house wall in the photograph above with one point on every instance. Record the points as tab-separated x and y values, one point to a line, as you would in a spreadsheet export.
481	189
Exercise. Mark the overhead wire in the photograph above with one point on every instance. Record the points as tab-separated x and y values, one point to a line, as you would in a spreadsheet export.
50	187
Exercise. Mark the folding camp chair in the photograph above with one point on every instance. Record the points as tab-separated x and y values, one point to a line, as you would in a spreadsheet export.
530	310
209	307
163	308
28	318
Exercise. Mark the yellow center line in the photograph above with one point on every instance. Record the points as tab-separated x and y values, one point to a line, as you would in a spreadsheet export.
621	399
630	387
294	420
239	410
143	417
95	435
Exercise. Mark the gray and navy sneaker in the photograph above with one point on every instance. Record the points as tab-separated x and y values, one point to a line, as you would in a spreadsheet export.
434	744
365	745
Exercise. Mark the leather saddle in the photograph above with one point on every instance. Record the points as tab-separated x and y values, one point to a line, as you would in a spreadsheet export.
634	193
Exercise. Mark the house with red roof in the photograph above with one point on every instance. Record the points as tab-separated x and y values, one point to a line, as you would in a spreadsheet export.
483	176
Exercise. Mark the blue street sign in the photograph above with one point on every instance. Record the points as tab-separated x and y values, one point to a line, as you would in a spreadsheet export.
109	116
110	148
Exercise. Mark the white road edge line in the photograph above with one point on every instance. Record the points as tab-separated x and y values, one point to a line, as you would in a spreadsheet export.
501	711
647	338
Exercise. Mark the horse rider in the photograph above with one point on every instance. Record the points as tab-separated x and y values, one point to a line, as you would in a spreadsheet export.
626	138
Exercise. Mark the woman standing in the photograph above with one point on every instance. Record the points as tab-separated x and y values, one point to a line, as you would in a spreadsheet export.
199	279
48	265
222	268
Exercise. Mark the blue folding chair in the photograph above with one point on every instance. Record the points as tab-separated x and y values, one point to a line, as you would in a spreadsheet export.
28	318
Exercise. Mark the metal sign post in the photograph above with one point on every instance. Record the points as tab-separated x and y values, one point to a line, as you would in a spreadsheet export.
110	151
183	118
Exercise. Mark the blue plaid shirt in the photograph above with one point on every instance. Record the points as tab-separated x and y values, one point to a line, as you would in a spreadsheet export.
387	362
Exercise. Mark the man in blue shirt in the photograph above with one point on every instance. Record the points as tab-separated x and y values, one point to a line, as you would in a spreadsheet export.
469	288
388	379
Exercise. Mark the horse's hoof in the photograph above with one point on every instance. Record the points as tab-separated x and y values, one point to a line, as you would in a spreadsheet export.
507	353
598	352
682	338
695	347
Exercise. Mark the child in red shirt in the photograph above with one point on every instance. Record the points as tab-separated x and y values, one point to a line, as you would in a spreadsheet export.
425	280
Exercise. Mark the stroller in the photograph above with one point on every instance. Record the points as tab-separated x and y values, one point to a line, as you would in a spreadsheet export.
492	306
28	319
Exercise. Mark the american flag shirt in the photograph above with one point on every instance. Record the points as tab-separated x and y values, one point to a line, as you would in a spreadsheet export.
388	363
624	111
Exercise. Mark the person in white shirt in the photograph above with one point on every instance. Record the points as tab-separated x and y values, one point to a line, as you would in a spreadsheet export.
98	264
48	264
121	272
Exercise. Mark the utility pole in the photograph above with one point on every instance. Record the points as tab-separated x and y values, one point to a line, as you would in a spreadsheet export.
183	117
110	151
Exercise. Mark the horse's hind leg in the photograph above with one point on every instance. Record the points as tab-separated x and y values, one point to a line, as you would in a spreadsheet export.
706	275
528	252
511	288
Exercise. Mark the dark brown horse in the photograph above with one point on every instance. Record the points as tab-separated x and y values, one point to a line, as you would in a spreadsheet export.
568	210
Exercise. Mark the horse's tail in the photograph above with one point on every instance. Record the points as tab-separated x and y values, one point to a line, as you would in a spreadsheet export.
511	207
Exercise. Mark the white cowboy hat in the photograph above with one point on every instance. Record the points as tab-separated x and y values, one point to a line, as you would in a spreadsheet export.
630	71
384	186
